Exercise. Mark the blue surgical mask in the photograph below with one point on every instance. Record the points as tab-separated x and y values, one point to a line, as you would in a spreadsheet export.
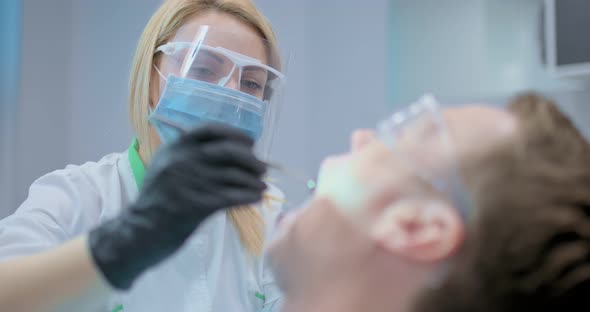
187	104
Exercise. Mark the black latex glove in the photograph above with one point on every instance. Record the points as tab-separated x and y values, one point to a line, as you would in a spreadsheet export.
206	170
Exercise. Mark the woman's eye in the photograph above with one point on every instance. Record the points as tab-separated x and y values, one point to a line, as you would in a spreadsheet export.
202	72
251	85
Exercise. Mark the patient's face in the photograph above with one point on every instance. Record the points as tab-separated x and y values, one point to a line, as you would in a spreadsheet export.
378	227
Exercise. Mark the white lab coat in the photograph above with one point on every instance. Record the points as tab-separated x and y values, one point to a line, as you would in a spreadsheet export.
212	272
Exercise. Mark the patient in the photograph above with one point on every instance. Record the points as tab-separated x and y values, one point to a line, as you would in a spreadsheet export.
523	246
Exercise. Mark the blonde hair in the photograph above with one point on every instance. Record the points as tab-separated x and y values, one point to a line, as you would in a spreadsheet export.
160	29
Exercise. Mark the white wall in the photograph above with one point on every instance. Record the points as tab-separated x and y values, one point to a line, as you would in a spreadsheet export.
10	18
467	51
104	35
337	78
347	76
43	108
467	48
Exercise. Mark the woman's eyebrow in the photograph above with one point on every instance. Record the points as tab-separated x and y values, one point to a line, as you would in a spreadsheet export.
255	68
213	55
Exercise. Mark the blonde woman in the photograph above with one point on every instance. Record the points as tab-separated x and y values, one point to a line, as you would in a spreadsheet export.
102	237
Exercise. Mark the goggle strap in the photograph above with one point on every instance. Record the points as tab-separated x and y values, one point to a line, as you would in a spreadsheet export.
160	73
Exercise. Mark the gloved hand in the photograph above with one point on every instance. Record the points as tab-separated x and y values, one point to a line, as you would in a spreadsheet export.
206	170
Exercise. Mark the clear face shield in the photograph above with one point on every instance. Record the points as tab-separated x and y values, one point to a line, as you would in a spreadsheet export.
213	75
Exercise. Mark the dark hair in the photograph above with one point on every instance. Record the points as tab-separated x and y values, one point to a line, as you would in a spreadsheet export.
528	243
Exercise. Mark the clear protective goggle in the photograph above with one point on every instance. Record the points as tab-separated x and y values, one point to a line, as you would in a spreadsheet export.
219	65
419	138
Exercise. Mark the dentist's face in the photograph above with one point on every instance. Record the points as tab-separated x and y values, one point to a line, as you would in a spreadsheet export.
226	32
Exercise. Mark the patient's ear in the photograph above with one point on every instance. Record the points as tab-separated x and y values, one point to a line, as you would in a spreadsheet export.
420	230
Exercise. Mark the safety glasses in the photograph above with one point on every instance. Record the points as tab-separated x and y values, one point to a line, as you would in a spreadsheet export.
218	65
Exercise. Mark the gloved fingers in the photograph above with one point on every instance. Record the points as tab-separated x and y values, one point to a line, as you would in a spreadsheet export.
226	154
226	197
216	181
214	132
242	196
231	176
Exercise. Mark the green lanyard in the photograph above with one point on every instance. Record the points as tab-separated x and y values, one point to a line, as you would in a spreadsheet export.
260	296
137	166
118	308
